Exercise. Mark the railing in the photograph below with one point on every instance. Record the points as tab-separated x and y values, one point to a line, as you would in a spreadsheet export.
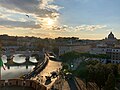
37	69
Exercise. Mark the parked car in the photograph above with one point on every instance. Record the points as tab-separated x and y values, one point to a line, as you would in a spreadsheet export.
68	75
54	74
48	78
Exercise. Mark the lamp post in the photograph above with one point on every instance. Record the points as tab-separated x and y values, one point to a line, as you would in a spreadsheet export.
71	66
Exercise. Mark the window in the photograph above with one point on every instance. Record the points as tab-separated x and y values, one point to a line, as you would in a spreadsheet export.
23	83
10	83
16	82
30	83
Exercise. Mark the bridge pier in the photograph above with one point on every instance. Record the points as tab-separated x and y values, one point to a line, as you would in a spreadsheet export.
8	67
27	58
26	66
9	57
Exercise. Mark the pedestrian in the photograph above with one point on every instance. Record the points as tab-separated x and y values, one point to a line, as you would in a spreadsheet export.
41	79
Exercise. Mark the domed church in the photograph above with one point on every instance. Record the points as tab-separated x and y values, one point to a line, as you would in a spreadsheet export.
111	40
111	36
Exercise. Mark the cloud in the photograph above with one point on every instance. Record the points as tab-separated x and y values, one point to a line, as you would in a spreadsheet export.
13	14
36	9
27	24
90	27
45	5
39	8
78	28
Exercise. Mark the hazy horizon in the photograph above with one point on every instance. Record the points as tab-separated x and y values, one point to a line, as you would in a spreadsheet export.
56	37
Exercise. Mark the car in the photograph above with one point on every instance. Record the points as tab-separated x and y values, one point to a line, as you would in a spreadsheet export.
48	78
54	74
68	75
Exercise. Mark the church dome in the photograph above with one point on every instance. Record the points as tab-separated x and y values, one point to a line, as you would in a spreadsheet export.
111	36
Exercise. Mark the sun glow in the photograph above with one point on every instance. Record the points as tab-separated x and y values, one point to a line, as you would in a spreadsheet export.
48	22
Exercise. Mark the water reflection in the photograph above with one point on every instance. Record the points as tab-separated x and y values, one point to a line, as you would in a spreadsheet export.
16	71
32	59
18	59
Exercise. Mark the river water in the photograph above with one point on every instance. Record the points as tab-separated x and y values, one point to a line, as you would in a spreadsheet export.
16	71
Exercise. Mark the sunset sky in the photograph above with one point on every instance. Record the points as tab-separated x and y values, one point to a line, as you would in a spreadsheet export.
86	19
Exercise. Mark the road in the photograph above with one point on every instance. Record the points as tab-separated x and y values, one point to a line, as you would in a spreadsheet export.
74	84
51	66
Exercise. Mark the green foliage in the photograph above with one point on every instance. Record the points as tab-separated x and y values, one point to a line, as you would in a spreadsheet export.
103	56
88	55
65	66
91	73
92	62
100	72
70	56
110	83
100	75
82	70
92	70
113	68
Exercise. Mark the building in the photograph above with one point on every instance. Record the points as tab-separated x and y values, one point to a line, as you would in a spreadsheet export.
98	50
8	40
73	47
109	46
111	40
114	54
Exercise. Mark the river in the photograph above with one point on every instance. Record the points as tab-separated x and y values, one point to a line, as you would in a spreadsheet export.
16	71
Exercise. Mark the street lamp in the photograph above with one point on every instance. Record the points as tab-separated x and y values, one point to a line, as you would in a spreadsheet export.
71	66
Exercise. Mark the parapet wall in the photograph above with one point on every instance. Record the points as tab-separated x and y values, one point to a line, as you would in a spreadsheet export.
26	83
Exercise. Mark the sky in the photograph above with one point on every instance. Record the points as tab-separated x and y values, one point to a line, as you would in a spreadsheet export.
86	19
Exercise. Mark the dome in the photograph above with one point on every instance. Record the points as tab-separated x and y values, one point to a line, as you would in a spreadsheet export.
111	36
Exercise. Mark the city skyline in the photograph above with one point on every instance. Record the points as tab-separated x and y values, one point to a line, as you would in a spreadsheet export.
86	19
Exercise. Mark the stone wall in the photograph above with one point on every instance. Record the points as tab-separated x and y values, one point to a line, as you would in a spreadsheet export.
2	82
23	83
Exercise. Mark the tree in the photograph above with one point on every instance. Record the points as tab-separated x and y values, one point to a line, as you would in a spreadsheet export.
113	68
69	57
110	83
100	75
91	73
103	56
92	62
65	66
119	68
97	73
